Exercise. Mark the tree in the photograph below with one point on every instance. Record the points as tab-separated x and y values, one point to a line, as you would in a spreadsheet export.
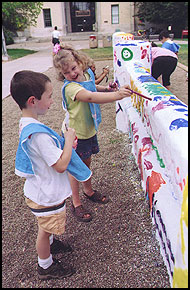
168	13
19	15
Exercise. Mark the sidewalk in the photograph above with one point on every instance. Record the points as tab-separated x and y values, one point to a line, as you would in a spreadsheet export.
39	61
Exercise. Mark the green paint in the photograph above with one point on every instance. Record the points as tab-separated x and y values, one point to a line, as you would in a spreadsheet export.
126	54
156	89
157	155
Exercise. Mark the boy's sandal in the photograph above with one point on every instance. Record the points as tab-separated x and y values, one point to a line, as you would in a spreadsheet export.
79	212
98	197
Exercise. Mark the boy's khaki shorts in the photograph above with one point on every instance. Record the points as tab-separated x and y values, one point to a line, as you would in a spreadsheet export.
53	223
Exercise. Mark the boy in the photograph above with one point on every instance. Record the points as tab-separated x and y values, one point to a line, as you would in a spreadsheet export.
43	158
167	42
55	36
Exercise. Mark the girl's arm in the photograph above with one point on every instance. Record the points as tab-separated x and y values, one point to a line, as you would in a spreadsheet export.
102	97
102	88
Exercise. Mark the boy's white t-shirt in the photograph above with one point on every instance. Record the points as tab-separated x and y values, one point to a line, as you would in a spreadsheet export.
56	34
46	187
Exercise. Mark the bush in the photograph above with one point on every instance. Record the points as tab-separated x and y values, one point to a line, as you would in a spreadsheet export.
8	36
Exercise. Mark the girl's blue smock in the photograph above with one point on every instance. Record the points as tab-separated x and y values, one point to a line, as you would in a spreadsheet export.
90	86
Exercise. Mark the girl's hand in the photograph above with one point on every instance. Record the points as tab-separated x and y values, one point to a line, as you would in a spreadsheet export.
75	143
113	86
124	92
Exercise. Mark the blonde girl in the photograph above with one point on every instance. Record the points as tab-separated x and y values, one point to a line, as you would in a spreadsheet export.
81	99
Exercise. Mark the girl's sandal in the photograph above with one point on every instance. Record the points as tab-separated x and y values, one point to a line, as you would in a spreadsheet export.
79	212
98	197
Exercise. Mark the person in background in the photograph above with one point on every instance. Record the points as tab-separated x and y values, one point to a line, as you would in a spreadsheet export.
167	42
104	74
55	36
164	62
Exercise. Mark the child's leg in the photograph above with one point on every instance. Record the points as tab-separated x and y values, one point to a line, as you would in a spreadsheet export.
43	244
47	266
87	185
83	214
75	191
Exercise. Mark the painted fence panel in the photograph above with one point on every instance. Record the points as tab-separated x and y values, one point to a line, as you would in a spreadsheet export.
159	133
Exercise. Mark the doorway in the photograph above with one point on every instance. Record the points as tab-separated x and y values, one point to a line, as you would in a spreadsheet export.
82	16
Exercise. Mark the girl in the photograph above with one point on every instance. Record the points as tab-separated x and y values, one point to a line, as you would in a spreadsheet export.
164	63
81	99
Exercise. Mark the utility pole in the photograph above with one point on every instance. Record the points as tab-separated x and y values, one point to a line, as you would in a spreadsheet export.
4	49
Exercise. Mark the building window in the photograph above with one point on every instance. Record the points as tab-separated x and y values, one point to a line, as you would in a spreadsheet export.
115	14
47	18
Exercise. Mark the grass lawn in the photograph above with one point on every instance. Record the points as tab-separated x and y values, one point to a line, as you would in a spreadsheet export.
99	53
107	52
15	53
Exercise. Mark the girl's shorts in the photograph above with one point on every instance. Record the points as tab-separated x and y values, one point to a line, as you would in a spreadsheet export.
51	223
87	147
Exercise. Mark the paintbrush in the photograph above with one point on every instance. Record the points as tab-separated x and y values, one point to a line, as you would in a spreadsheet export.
133	92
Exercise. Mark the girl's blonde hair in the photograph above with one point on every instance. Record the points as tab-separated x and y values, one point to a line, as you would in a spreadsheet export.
67	53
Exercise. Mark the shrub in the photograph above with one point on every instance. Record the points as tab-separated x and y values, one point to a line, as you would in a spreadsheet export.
8	36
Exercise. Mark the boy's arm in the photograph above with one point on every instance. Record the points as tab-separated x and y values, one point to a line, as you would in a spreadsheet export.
101	76
101	97
63	162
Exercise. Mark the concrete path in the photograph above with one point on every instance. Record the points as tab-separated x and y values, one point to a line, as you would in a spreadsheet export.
39	61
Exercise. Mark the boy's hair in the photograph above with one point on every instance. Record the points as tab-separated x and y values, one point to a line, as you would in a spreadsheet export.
66	54
163	33
25	84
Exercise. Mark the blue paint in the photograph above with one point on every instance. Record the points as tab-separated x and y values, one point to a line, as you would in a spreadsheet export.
178	123
181	110
175	101
117	81
158	98
118	62
149	78
141	70
126	44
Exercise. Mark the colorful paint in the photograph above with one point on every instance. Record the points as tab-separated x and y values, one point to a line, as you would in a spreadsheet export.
159	134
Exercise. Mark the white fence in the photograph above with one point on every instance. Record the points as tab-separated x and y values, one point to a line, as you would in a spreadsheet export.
159	135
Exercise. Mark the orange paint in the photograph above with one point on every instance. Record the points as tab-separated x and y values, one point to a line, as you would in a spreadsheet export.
153	184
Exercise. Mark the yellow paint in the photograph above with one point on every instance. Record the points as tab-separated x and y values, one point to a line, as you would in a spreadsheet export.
180	277
184	216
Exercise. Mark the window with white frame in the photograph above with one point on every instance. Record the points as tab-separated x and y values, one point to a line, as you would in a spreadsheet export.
115	14
47	18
